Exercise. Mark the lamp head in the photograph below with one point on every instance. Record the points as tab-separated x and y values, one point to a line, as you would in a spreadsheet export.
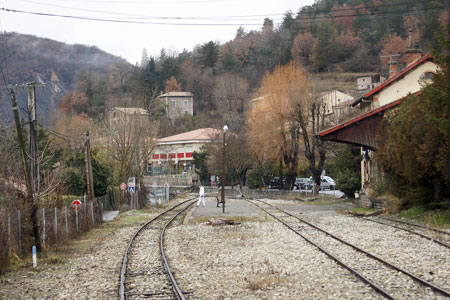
225	128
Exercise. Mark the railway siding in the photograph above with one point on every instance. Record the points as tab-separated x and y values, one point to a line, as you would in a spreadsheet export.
259	259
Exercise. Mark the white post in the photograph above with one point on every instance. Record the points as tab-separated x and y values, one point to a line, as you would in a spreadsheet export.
56	223
33	249
92	213
76	218
43	226
67	225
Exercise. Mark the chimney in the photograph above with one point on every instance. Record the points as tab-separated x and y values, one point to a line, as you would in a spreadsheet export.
392	68
412	54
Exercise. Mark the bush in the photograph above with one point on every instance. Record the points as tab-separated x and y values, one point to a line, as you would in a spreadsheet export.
345	169
348	182
414	145
253	179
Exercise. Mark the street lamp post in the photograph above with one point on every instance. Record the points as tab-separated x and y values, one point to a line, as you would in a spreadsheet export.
225	128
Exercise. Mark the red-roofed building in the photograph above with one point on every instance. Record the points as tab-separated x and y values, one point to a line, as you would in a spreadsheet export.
172	156
362	130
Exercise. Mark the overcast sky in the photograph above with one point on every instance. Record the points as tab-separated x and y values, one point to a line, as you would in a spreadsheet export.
127	39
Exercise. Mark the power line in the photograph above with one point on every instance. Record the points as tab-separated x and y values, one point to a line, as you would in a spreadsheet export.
316	18
364	7
118	20
73	138
241	17
137	16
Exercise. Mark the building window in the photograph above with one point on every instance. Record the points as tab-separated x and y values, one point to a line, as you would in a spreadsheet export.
174	103
186	103
428	76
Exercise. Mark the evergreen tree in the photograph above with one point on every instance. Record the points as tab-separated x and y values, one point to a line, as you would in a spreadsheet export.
209	54
325	48
145	59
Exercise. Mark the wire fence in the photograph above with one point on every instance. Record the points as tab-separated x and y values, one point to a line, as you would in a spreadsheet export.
56	225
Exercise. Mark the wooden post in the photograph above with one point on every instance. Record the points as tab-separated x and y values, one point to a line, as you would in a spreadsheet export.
92	213
67	225
56	223
89	179
9	235
20	231
43	226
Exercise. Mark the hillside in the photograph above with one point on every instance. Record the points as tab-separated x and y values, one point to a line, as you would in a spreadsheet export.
57	65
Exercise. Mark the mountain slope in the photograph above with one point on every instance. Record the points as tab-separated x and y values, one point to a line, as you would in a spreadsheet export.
56	65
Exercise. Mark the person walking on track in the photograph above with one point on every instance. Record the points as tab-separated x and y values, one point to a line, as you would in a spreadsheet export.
201	197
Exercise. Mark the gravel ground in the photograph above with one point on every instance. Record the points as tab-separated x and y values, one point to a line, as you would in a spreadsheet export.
413	253
254	260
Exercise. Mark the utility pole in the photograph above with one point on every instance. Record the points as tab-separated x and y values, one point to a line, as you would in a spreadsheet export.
34	155
29	198
33	147
89	179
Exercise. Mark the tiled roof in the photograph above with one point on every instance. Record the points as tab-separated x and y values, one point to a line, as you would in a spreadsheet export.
131	110
202	134
398	75
363	116
177	94
345	103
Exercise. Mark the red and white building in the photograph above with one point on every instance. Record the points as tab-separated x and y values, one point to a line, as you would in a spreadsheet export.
173	155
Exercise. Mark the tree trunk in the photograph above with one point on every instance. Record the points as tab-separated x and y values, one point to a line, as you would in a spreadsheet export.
280	185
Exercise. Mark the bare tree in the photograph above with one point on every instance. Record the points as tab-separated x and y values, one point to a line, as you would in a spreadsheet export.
129	140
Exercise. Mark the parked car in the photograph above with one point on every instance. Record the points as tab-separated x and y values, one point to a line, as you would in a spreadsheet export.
327	183
274	183
302	184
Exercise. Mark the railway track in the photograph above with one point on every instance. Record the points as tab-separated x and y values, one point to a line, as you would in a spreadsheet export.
438	236
145	272
391	281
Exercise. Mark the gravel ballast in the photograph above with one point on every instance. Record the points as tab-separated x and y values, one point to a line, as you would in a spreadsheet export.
258	259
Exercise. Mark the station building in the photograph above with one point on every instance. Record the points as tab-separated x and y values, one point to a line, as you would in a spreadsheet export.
172	158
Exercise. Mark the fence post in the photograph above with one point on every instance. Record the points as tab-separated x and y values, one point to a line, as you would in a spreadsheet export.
20	231
85	210
92	213
67	225
56	223
76	218
9	235
43	226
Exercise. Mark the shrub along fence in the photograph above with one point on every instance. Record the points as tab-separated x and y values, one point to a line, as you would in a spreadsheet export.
56	225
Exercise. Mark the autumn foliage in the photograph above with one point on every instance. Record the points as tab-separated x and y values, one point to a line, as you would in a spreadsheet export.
278	117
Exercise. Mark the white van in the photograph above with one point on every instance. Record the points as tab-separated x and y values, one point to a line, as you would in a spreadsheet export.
327	183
